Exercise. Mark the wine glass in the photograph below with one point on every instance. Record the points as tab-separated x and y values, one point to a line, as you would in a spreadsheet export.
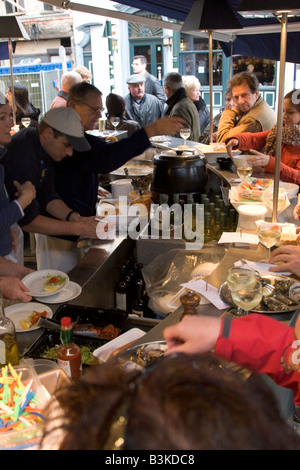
247	298
244	171
241	279
185	133
115	122
26	121
268	236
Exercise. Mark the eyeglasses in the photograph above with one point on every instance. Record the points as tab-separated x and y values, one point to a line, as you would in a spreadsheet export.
95	110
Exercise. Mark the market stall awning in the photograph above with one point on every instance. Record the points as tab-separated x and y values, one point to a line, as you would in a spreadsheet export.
259	37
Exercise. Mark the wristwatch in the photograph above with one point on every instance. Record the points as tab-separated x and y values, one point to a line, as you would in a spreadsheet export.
69	215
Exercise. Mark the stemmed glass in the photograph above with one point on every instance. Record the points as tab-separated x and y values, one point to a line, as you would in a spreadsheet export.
115	122
244	171
26	121
185	133
268	236
245	288
247	298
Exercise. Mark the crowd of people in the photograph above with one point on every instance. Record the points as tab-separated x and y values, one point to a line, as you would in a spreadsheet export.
54	196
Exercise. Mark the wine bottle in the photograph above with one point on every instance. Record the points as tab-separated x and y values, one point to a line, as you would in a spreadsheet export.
9	353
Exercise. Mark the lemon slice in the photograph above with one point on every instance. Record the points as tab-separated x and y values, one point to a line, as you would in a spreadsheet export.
49	288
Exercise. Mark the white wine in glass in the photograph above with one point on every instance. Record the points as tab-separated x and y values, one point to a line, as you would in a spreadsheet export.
185	133
247	299
115	122
244	171
241	278
269	236
26	121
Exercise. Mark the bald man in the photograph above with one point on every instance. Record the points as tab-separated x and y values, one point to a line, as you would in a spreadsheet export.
68	79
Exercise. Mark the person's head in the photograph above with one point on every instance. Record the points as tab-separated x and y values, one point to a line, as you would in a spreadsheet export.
245	91
61	131
21	97
68	79
139	64
6	120
84	73
172	81
115	105
228	98
291	108
136	86
192	87
86	100
178	403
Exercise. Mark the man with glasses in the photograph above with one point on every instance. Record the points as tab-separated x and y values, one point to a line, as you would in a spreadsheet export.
250	112
77	177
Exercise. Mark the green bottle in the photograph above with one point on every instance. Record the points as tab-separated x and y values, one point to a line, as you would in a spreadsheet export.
208	234
216	228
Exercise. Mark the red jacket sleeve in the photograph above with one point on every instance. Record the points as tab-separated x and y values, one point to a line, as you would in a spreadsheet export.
287	173
257	343
250	140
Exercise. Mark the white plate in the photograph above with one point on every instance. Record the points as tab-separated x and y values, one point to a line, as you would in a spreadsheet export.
70	292
35	282
19	312
160	138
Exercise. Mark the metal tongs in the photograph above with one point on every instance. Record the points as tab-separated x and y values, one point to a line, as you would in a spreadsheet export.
79	330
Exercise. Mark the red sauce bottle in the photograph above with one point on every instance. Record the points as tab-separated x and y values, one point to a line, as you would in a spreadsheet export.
68	353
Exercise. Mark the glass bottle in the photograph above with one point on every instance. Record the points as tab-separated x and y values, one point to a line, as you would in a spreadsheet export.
68	353
217	225
223	222
138	304
208	234
190	301
9	353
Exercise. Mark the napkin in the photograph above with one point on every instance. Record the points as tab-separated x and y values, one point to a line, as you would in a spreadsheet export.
209	292
262	268
239	237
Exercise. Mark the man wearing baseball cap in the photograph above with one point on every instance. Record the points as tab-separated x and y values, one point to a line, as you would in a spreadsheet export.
30	156
140	106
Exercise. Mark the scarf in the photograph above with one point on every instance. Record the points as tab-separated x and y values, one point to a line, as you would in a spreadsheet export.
290	136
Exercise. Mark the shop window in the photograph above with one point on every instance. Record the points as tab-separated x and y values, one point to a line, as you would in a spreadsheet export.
264	69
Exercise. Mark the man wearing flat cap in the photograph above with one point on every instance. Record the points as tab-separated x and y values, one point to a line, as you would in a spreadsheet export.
140	106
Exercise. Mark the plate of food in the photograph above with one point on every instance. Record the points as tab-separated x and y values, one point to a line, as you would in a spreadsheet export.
276	295
25	316
45	282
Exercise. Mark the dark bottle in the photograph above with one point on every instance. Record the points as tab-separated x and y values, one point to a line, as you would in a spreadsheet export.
8	342
223	222
232	220
68	353
208	234
138	304
216	228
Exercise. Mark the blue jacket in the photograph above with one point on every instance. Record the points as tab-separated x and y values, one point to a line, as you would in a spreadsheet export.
10	212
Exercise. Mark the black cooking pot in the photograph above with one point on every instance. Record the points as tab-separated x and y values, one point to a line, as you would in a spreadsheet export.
178	174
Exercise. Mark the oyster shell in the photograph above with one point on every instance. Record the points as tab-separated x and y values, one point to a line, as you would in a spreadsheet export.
150	352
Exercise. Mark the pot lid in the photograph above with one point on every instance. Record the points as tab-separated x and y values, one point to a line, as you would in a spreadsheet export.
174	157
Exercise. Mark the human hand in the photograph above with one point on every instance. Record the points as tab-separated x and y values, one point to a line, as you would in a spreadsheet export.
25	193
165	126
258	159
193	335
14	289
92	228
289	258
232	144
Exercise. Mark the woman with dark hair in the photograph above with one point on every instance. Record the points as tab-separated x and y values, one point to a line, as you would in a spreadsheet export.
115	105
23	106
178	402
262	144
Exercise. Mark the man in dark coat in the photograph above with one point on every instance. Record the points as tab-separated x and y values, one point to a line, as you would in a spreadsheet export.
140	106
152	85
